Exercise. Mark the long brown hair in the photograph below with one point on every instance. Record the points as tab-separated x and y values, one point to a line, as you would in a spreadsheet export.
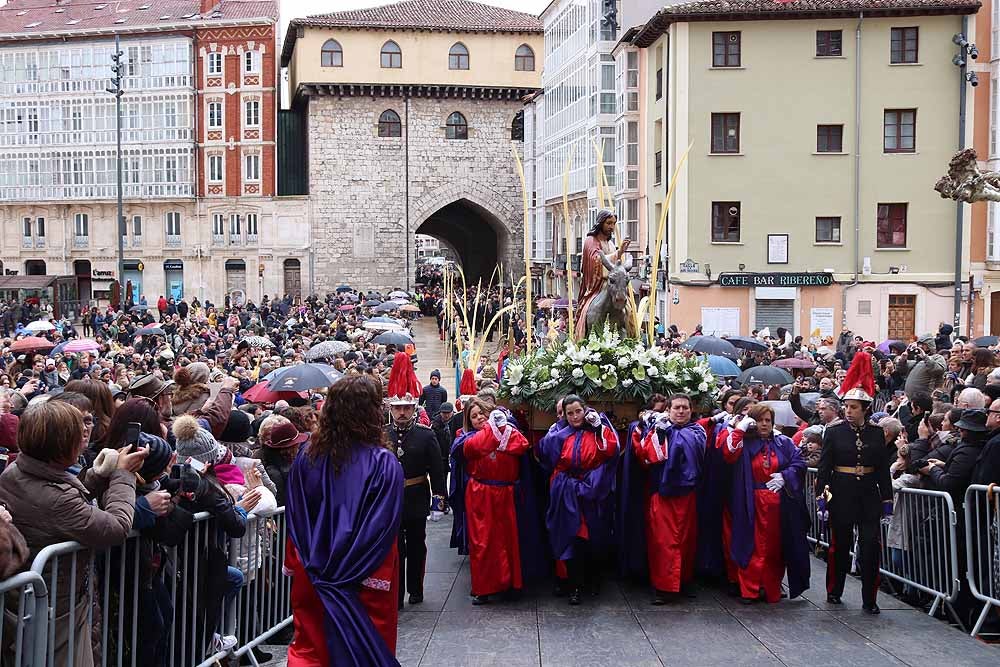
352	415
484	406
103	403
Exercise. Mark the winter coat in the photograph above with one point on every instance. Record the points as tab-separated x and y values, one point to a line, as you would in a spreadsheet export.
956	473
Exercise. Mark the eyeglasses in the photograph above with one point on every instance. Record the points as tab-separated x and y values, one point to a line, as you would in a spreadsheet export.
994	412
88	421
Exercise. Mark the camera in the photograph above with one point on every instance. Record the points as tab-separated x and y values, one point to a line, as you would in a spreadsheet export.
183	479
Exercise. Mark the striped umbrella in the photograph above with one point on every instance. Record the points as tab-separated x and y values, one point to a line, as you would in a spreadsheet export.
81	345
259	341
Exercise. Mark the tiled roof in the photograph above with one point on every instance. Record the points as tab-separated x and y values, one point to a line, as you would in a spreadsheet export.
44	17
748	10
459	15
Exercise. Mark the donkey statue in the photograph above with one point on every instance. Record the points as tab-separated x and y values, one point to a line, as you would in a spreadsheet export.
612	303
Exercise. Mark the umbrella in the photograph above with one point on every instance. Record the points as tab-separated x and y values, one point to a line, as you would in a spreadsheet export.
783	413
392	338
329	348
399	302
794	362
32	344
139	308
81	345
986	341
409	308
291	322
764	375
808	400
371	303
710	345
722	366
302	377
259	341
747	343
562	304
347	296
40	325
399	294
151	331
886	346
349	306
58	348
546	303
372	325
344	288
386	307
259	393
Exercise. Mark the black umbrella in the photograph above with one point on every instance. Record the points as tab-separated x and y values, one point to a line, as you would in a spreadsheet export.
139	308
986	341
386	307
371	303
151	331
392	338
764	375
345	288
748	343
302	377
711	345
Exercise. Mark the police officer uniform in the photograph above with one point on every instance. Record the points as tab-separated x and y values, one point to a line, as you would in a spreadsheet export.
418	452
854	469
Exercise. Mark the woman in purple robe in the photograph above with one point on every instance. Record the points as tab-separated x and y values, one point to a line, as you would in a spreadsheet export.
345	500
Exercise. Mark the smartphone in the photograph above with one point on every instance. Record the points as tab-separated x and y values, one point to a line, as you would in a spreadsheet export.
132	431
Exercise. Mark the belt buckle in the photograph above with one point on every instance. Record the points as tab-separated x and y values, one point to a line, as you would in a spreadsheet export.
859	470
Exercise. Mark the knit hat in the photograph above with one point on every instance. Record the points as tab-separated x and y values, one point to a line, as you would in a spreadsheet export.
446	407
237	428
157	459
195	442
436	374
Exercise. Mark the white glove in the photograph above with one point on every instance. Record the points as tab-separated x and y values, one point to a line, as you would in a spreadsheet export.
776	483
662	421
721	417
499	419
746	424
593	418
436	516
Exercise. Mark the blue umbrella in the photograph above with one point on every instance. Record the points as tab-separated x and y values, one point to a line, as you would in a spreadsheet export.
722	366
58	348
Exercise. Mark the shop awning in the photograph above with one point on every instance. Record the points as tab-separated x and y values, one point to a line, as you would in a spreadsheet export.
29	282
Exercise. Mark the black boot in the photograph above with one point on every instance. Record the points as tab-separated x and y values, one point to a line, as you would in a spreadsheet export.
872	609
574	597
416	598
833	599
480	600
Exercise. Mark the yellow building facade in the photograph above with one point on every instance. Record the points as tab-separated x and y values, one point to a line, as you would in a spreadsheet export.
807	197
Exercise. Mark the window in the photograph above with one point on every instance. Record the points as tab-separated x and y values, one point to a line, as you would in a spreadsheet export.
517	127
725	49
214	115
218	224
829	138
524	59
389	124
900	130
252	113
174	223
828	230
725	133
215	168
659	83
458	57
235	225
27	228
725	222
456	127
251	60
891	229
40	227
81	225
632	69
136	225
829	43
903	45
392	56
251	225
214	63
252	162
331	55
658	167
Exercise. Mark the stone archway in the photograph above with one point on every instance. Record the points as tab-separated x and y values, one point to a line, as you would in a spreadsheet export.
480	224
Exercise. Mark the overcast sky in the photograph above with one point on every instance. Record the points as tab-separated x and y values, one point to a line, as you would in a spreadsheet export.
294	8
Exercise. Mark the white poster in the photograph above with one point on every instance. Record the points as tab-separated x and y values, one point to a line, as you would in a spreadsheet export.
720	321
820	324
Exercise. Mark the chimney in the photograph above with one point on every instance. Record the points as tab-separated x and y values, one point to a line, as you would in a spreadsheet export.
207	5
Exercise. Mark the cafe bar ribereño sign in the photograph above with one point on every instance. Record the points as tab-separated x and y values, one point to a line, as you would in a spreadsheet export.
775	279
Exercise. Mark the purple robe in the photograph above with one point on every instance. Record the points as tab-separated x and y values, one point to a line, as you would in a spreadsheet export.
713	495
573	493
794	515
343	526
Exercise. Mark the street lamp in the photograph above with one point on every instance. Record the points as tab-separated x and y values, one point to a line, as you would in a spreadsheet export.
118	72
966	50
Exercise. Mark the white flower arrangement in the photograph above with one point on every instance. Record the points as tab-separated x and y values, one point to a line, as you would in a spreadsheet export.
604	365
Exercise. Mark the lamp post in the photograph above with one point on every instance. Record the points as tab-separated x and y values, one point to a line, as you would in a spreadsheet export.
117	69
966	50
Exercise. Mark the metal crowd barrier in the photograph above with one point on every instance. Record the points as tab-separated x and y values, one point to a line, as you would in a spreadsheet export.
133	617
926	555
982	547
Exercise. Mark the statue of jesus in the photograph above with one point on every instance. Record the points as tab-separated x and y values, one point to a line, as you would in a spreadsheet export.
596	249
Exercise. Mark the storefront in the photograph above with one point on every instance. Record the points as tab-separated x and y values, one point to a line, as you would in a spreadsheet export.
236	279
101	281
173	273
133	279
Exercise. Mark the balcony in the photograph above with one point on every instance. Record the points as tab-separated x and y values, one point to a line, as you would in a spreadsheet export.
251	239
173	241
218	239
236	240
40	242
27	242
137	241
81	241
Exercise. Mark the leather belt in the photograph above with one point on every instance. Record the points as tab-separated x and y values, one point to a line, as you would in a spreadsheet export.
855	470
414	481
